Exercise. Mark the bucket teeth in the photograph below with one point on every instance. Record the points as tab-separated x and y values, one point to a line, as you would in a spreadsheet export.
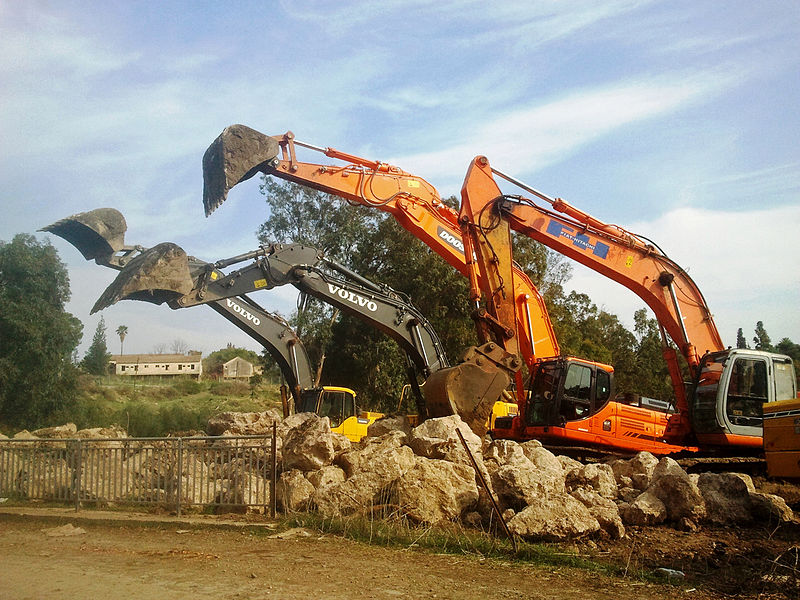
96	234
159	274
236	155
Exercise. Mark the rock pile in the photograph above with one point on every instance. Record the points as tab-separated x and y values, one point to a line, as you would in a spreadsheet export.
425	474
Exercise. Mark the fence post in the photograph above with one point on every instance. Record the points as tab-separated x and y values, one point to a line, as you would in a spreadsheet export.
180	472
273	500
76	478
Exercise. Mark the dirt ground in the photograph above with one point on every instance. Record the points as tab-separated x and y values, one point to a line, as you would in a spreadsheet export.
180	560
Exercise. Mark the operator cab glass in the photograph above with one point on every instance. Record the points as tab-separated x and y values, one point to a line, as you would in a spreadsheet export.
733	386
567	390
337	405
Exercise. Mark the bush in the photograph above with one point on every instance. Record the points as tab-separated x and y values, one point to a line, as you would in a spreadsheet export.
186	386
229	388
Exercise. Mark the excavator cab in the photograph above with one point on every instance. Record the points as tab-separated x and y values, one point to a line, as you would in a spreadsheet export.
339	405
567	389
731	390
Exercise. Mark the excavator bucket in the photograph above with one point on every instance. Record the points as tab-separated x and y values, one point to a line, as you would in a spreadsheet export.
96	234
471	388
236	155
157	275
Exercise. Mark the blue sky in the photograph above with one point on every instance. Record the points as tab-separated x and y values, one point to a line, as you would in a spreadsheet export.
675	119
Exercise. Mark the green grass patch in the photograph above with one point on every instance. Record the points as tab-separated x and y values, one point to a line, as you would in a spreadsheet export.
158	406
450	538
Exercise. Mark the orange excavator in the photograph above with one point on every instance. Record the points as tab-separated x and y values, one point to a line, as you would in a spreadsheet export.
568	400
721	411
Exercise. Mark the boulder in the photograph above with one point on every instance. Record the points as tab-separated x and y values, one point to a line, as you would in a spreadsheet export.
100	433
371	466
437	438
309	446
770	509
241	423
554	518
726	496
341	443
61	431
635	472
646	509
435	490
389	424
502	452
376	454
597	477
518	483
603	509
24	435
569	464
293	491
673	486
358	493
326	476
542	458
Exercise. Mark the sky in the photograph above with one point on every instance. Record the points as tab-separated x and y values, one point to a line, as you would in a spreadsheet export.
674	119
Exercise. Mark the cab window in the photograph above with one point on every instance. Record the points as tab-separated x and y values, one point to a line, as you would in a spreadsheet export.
784	379
577	392
747	391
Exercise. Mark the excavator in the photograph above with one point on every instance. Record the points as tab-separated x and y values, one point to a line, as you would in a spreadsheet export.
722	409
567	400
165	273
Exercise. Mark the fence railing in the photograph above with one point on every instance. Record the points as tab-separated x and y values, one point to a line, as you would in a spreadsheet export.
176	473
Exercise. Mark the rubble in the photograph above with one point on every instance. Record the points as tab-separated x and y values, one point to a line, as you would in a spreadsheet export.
423	474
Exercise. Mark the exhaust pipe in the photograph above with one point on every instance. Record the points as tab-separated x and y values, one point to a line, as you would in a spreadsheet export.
97	234
235	156
159	274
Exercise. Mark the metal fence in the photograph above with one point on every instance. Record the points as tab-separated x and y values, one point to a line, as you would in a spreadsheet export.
209	472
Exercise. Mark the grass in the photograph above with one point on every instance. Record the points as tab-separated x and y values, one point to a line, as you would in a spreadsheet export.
160	406
450	538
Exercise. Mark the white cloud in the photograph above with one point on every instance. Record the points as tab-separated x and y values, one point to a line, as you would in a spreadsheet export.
527	139
741	261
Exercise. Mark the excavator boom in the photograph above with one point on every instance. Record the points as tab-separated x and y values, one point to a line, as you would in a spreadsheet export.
240	152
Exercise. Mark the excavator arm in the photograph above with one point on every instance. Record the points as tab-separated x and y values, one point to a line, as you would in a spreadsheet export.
99	235
240	152
624	257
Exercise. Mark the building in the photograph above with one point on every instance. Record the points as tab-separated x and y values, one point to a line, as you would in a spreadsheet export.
239	368
163	365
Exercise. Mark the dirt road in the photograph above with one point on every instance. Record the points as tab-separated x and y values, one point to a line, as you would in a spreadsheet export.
168	560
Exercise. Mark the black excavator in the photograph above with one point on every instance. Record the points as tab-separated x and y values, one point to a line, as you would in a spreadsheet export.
166	274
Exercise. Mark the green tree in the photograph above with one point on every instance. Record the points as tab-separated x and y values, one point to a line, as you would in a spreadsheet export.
96	360
651	375
37	336
122	331
741	342
788	347
212	364
761	340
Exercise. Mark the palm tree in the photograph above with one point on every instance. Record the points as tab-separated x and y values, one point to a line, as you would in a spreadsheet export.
122	331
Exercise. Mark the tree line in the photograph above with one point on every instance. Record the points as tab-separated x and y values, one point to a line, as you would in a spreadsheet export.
39	369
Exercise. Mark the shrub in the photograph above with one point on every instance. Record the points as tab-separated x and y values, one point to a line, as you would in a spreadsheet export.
186	386
229	388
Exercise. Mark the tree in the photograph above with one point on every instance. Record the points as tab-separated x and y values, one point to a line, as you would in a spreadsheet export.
122	331
179	346
96	360
761	340
37	336
212	364
741	342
